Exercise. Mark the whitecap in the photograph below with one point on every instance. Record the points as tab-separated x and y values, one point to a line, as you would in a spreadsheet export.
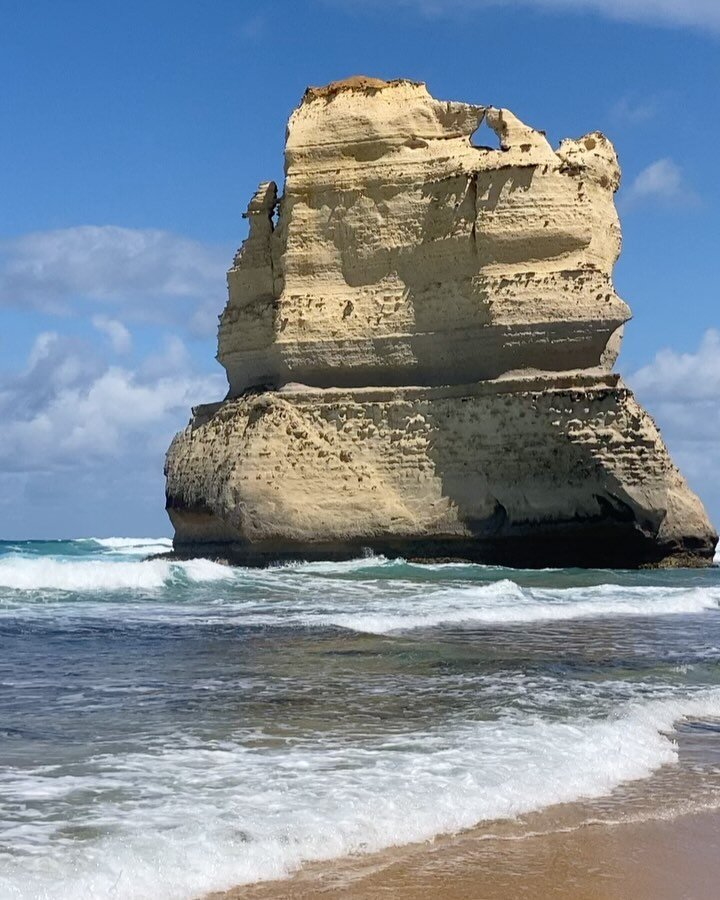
123	546
93	575
505	603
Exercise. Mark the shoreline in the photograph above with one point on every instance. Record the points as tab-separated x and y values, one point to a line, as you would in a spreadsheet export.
660	858
654	838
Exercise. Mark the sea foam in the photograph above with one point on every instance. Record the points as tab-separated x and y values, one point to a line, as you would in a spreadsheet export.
328	595
505	603
121	543
197	818
131	546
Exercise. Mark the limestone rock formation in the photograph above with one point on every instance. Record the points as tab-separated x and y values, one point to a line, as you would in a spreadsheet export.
419	341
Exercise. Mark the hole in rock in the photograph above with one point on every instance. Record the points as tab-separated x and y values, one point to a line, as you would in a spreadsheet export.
484	138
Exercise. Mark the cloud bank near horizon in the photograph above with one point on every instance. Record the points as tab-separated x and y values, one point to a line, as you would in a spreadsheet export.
87	431
682	392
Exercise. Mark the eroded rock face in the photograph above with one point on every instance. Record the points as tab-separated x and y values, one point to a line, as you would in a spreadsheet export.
406	255
419	340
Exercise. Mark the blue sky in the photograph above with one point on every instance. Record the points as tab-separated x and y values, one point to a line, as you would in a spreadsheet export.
135	133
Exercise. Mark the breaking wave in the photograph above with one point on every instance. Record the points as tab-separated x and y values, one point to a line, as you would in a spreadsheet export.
198	818
132	546
504	602
374	595
93	575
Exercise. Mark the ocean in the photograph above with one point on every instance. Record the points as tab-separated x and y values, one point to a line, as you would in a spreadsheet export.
172	728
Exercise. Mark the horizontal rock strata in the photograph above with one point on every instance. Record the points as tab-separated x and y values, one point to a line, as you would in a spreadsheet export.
419	340
404	254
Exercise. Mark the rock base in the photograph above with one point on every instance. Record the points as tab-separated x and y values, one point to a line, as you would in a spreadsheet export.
537	471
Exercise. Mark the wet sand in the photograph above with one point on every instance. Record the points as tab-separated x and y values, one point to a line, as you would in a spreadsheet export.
670	859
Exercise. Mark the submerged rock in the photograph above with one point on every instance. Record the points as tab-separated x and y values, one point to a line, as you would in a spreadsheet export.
419	341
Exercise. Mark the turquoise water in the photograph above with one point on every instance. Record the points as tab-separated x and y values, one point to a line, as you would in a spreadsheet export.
170	728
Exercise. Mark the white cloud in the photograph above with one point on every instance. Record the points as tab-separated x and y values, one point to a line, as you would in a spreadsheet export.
151	275
118	335
682	391
173	357
684	377
70	410
662	181
83	442
703	14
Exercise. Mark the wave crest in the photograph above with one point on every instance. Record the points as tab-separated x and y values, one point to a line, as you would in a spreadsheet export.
90	575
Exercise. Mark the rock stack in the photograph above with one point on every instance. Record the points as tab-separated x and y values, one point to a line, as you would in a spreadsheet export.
419	342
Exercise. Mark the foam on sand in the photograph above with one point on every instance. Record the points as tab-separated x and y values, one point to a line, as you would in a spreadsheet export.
195	818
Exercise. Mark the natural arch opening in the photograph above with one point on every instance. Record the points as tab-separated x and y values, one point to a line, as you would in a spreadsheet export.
484	137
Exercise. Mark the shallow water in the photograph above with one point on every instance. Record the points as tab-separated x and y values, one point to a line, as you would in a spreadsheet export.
170	728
